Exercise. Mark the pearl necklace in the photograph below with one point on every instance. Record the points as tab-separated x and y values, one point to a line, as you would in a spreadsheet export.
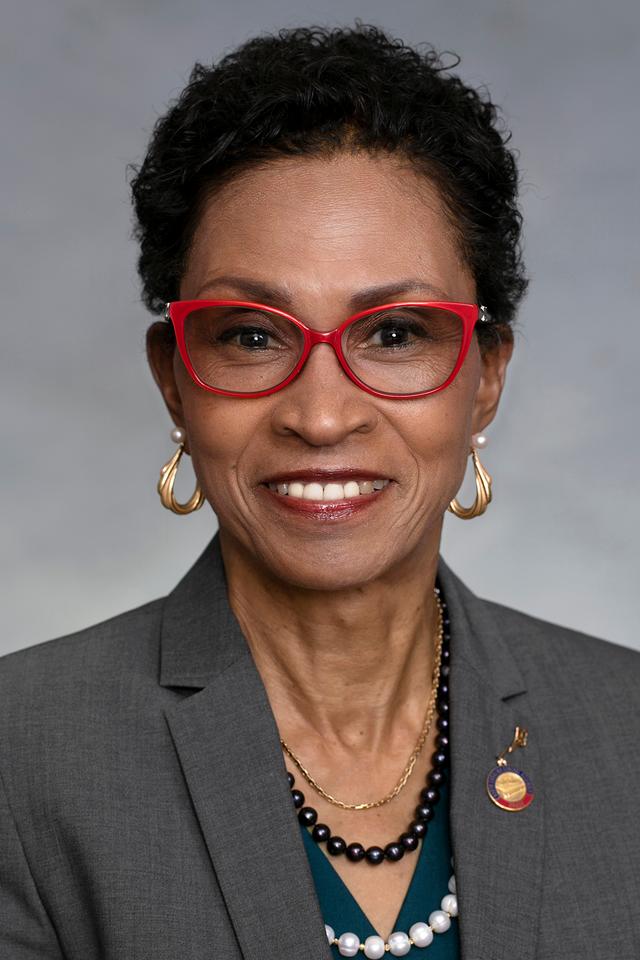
399	944
422	932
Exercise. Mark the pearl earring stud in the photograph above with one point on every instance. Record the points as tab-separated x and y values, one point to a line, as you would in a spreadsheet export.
479	440
178	435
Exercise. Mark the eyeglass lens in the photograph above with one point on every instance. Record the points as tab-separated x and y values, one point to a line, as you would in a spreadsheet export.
399	350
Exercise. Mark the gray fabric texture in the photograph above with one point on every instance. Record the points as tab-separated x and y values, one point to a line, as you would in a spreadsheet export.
145	815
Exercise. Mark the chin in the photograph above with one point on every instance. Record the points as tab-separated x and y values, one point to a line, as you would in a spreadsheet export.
326	565
306	576
329	554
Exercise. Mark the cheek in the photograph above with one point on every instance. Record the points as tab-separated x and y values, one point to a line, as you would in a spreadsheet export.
219	430
438	428
438	433
439	445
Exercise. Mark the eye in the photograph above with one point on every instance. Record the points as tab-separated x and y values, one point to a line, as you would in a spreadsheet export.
394	330
391	333
248	330
251	338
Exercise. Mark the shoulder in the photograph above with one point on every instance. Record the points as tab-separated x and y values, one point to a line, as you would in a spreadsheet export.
81	709
99	655
555	655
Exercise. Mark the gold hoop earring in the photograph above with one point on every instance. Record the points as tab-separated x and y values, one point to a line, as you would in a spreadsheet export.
167	479
483	489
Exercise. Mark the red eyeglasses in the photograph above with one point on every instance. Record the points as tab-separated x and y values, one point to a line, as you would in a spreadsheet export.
400	351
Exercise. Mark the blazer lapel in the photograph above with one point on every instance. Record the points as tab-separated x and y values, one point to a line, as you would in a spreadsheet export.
498	854
229	750
228	744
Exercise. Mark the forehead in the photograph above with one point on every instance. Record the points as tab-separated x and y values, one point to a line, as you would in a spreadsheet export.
326	226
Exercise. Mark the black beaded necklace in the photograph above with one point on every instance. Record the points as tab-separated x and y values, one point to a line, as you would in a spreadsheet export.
408	841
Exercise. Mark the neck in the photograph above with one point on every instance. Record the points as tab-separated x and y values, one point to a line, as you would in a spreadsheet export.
351	667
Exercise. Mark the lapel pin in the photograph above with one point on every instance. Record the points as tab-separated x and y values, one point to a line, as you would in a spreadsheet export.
508	787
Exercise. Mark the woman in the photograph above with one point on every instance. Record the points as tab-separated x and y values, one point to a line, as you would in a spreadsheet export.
321	742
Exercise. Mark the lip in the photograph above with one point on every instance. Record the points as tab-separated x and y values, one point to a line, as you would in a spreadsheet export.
324	509
325	475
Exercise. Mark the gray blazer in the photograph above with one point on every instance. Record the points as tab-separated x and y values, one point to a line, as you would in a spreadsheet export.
145	814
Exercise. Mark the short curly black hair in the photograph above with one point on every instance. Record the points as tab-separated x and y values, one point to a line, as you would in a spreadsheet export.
306	91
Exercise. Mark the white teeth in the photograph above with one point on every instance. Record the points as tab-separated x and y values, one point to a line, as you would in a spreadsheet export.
333	491
312	491
328	491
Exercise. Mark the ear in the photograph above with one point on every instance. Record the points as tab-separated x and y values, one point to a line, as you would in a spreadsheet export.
161	354
494	360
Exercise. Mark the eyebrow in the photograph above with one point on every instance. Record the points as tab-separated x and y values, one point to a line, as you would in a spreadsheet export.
274	295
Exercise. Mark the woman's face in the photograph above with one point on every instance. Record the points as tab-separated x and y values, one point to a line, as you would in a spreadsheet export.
313	237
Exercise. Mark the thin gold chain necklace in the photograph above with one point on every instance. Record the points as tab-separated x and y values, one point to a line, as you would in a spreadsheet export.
415	753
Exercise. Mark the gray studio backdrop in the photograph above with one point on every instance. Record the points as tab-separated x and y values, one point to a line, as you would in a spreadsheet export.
84	432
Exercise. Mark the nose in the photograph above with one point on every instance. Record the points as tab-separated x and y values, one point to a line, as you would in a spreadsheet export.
322	405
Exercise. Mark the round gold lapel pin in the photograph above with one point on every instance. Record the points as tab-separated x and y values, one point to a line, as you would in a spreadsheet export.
508	787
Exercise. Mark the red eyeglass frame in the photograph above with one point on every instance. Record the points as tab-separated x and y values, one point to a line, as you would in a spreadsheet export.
177	311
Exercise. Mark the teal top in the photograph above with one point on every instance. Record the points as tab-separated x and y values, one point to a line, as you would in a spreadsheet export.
428	886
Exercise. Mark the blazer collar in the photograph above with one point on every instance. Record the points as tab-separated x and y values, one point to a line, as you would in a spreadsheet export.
200	636
228	745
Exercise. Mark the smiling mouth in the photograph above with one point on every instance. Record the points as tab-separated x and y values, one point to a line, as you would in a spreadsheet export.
333	491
